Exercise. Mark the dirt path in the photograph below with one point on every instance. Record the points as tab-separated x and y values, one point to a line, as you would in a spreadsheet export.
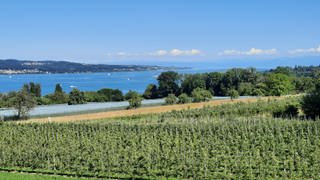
139	111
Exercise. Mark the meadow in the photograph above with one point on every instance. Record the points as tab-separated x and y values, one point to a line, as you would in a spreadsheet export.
241	140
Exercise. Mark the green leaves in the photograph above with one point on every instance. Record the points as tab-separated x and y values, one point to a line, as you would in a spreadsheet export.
278	84
231	141
76	97
201	95
23	102
210	149
311	102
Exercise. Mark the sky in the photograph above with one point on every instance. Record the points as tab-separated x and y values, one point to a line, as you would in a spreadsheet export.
160	31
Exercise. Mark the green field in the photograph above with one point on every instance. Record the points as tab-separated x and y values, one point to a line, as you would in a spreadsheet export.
19	176
234	141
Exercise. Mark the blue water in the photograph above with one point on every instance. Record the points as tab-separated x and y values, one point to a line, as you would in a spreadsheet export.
124	81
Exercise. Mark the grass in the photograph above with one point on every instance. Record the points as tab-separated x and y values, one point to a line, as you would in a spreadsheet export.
24	176
134	112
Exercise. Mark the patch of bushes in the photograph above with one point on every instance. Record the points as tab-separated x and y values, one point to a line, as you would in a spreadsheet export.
184	99
289	111
171	99
201	95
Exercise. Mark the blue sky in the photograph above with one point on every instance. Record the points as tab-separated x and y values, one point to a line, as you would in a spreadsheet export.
151	32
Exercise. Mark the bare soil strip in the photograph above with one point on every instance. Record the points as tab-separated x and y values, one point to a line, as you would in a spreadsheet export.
139	111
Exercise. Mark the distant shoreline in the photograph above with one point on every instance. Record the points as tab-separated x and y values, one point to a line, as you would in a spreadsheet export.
15	67
41	73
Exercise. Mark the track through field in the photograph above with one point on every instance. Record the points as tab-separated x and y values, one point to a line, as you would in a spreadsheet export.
139	111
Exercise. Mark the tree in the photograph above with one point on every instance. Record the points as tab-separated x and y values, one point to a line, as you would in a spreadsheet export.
303	84
26	88
193	81
76	97
278	84
23	102
117	95
183	98
311	102
106	93
32	88
168	83
171	99
35	89
200	95
131	94
111	94
245	89
213	83
231	79
233	94
59	96
249	75
257	92
260	89
282	70
58	89
135	102
151	92
6	99
93	96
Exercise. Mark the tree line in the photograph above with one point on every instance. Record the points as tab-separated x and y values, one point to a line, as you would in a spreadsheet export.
244	82
182	88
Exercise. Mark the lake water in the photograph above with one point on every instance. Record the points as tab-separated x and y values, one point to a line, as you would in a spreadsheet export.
124	81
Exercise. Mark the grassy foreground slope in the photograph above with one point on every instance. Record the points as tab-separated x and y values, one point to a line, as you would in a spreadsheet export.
235	141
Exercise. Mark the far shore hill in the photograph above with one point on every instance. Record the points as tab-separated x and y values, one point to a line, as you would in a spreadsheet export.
13	66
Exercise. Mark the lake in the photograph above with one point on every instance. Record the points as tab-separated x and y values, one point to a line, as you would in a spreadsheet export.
124	81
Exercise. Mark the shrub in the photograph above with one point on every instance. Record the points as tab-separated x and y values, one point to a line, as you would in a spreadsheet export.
311	102
278	84
23	102
233	94
76	97
108	94
135	102
201	95
183	98
130	95
290	111
257	92
43	101
92	96
171	99
151	92
58	97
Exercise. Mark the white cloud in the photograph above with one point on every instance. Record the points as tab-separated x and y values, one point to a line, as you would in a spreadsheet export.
159	53
194	52
178	52
250	52
305	51
122	54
